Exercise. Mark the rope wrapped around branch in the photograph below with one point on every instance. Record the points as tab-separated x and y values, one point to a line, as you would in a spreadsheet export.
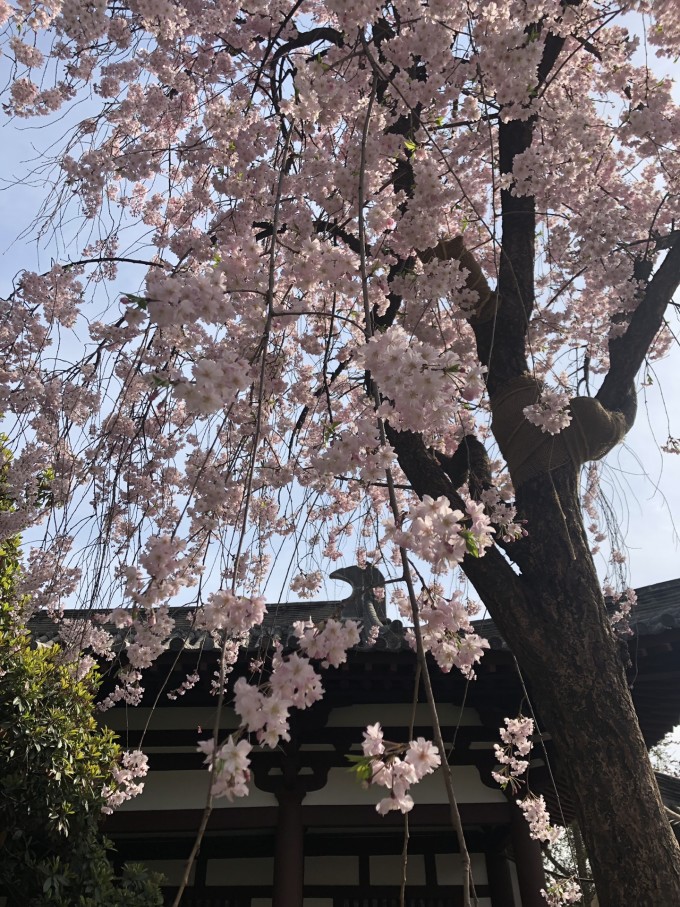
530	452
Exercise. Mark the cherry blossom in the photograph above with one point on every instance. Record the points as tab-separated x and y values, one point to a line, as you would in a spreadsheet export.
551	414
133	765
516	736
396	767
562	891
447	631
536	814
329	644
230	767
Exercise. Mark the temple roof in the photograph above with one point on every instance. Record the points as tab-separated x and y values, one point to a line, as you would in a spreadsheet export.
657	611
376	673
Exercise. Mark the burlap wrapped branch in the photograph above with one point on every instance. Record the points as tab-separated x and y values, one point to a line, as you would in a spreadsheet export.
453	249
529	452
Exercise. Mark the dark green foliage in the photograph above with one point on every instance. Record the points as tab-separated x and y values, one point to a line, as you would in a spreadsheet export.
54	764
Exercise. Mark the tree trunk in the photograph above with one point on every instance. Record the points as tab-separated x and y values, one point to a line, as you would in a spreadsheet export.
552	616
560	633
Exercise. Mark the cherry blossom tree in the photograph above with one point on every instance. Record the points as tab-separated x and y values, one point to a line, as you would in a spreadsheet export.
390	269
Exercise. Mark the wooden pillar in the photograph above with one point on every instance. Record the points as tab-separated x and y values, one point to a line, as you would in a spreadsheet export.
501	893
289	855
528	859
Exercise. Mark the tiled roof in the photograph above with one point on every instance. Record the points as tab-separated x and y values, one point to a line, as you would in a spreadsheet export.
657	610
362	605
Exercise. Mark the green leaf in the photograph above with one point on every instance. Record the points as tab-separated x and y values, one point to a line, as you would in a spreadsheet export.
363	768
140	301
329	431
470	542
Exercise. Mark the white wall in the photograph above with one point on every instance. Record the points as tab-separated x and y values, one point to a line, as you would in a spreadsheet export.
343	789
187	790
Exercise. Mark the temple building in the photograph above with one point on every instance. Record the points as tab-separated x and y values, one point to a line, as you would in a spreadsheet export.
308	835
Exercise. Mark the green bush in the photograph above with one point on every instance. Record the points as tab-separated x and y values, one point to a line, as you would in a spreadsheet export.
54	763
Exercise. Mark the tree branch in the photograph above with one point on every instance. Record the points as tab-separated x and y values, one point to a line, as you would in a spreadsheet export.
627	352
305	38
469	466
501	343
492	576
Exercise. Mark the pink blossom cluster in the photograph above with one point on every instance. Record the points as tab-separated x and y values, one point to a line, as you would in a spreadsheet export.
516	737
328	643
215	383
307	584
230	766
151	632
561	892
439	535
234	614
591	495
187	684
264	709
672	446
625	602
77	635
502	512
537	815
397	767
229	653
264	715
128	689
47	580
419	381
126	785
293	683
551	413
187	298
357	449
448	633
166	571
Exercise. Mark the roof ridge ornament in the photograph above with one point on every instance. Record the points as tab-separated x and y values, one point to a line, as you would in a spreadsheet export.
363	604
